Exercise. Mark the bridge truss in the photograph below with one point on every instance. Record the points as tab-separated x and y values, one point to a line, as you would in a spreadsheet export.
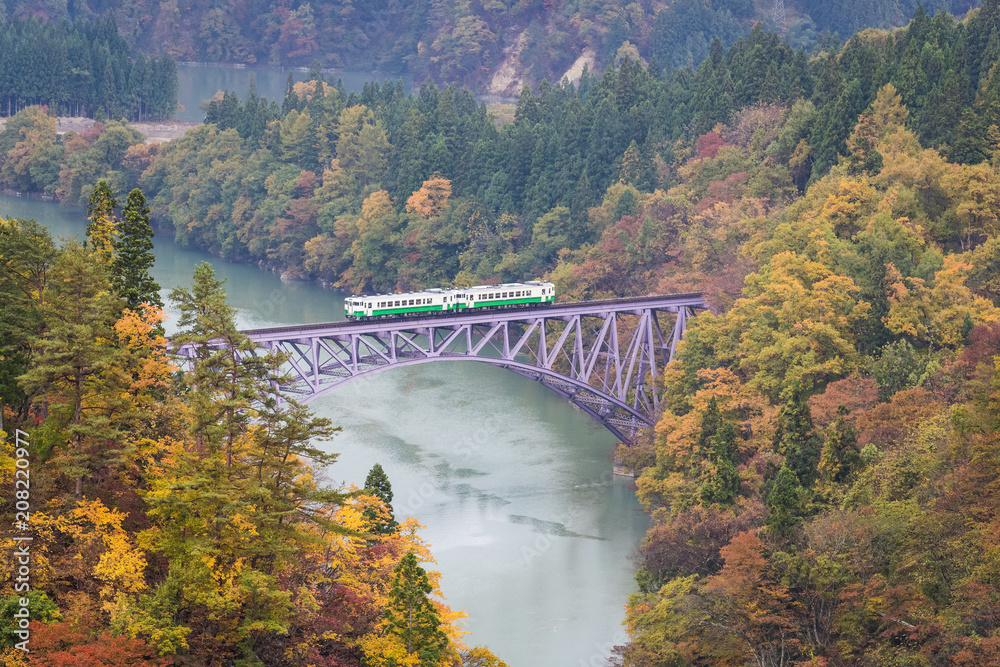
603	356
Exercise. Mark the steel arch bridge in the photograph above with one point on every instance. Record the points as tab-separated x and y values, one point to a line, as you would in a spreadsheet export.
603	356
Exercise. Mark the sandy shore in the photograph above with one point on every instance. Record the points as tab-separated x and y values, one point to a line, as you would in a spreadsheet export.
155	132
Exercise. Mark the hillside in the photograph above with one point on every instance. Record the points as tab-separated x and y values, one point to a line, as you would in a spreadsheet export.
490	45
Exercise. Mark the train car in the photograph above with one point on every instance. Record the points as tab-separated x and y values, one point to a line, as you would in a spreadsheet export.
508	295
392	305
438	301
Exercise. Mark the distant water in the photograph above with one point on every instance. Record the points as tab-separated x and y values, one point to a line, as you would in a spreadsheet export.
198	83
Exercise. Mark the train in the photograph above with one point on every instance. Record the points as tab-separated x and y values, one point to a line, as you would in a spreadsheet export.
438	301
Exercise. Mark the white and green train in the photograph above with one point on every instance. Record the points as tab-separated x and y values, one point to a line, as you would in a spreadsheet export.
434	301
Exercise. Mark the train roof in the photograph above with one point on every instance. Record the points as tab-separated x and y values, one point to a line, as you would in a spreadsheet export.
437	291
527	283
399	295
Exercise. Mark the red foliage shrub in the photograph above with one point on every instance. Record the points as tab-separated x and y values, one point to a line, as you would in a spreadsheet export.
854	393
71	644
707	146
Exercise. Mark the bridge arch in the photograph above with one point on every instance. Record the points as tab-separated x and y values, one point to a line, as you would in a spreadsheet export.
603	356
616	416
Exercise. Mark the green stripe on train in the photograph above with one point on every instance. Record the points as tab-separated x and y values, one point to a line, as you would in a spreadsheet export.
458	306
506	302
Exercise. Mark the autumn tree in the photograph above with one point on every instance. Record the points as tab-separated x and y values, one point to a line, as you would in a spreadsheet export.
238	489
102	230
431	199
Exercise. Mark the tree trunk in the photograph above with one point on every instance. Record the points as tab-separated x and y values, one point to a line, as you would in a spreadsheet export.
79	438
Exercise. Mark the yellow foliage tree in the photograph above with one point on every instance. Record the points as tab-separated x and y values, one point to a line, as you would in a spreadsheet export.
794	328
368	571
89	545
935	315
306	90
431	199
376	205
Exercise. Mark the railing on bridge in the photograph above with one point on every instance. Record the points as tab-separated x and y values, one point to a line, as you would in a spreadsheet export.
603	356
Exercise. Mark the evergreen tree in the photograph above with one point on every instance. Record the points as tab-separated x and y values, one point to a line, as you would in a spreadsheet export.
377	484
26	255
411	615
130	267
784	503
840	454
239	493
711	421
796	439
291	100
315	71
722	484
73	360
230	371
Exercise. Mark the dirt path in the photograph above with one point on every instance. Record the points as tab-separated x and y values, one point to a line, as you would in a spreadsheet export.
155	132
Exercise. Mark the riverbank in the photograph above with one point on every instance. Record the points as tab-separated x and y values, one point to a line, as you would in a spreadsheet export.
155	132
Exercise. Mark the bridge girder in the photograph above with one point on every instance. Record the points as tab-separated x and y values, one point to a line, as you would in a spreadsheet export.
603	356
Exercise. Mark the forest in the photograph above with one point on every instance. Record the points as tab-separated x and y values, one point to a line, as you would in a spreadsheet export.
823	480
380	190
466	42
177	515
82	69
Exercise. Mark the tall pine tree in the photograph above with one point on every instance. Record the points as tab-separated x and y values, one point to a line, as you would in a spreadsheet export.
411	615
130	267
377	484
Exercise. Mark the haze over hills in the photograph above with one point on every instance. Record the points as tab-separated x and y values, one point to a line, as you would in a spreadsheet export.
491	45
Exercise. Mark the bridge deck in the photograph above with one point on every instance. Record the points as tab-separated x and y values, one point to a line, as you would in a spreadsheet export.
568	309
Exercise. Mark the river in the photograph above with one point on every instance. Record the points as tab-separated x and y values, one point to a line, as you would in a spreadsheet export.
531	531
